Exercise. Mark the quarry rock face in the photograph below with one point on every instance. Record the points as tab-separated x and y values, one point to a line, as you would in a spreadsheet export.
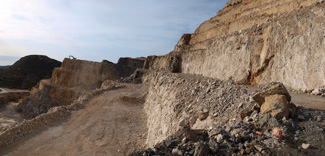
190	100
170	62
256	42
73	79
79	73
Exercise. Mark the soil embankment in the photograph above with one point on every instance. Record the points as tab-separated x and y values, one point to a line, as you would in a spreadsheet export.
106	126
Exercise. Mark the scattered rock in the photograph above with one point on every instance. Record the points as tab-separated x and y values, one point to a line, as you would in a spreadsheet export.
203	114
192	120
177	152
245	112
235	131
247	119
301	117
256	107
154	150
184	140
273	122
319	118
227	129
248	150
258	147
264	119
184	122
316	92
240	105
219	138
242	152
201	149
305	146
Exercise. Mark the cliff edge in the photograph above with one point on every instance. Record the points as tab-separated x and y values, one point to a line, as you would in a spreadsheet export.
73	79
255	42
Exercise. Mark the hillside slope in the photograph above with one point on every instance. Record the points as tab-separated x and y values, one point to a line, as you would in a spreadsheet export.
27	72
3	67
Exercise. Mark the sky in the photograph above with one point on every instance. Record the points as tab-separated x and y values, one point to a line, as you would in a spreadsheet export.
97	29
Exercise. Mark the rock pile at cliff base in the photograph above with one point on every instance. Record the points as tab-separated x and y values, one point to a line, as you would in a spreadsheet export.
298	131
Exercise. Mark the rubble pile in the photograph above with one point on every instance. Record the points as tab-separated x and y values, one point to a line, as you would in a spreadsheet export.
273	126
318	91
177	101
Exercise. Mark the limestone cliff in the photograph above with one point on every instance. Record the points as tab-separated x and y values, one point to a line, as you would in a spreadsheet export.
72	79
255	42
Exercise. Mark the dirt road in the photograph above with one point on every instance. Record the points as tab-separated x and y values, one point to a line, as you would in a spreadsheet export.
107	126
308	101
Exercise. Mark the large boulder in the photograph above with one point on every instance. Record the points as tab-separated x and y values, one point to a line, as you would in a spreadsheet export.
277	105
271	89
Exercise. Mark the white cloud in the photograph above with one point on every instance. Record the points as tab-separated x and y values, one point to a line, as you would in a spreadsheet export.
53	27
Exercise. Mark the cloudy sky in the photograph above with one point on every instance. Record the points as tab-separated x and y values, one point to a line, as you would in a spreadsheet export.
97	29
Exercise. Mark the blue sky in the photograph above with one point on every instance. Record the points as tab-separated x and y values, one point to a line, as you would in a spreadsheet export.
97	29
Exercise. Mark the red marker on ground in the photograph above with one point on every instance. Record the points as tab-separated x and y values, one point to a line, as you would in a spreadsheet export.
277	132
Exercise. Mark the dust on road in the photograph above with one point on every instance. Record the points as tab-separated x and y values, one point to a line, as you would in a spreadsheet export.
107	126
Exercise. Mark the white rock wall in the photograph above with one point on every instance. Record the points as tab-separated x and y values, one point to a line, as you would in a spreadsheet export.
290	50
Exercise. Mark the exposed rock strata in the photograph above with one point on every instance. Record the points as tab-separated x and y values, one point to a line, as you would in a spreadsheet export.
257	42
72	80
265	48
